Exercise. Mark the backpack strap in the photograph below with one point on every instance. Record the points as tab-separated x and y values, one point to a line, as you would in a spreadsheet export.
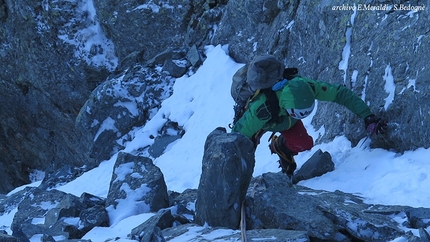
272	103
252	98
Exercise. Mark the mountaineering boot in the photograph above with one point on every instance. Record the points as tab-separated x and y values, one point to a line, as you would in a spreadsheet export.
256	137
286	159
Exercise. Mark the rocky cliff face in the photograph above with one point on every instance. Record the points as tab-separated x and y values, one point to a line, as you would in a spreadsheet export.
43	87
377	50
52	61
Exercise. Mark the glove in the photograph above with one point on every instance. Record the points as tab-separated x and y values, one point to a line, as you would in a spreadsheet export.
374	125
290	73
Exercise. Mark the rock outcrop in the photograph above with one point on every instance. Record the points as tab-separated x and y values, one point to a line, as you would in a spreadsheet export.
268	206
228	164
137	186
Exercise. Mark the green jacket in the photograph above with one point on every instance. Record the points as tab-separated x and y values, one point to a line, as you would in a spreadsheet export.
253	120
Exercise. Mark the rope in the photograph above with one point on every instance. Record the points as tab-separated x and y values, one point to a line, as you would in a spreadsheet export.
243	215
243	223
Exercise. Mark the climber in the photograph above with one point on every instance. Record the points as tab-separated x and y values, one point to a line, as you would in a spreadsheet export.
295	100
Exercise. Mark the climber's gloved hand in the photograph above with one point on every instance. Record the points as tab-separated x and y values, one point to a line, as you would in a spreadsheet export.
375	125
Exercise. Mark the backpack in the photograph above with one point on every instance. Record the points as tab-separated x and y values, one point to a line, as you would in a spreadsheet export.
258	76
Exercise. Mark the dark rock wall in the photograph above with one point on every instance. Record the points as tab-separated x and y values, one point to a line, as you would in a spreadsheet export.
42	90
145	25
312	35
